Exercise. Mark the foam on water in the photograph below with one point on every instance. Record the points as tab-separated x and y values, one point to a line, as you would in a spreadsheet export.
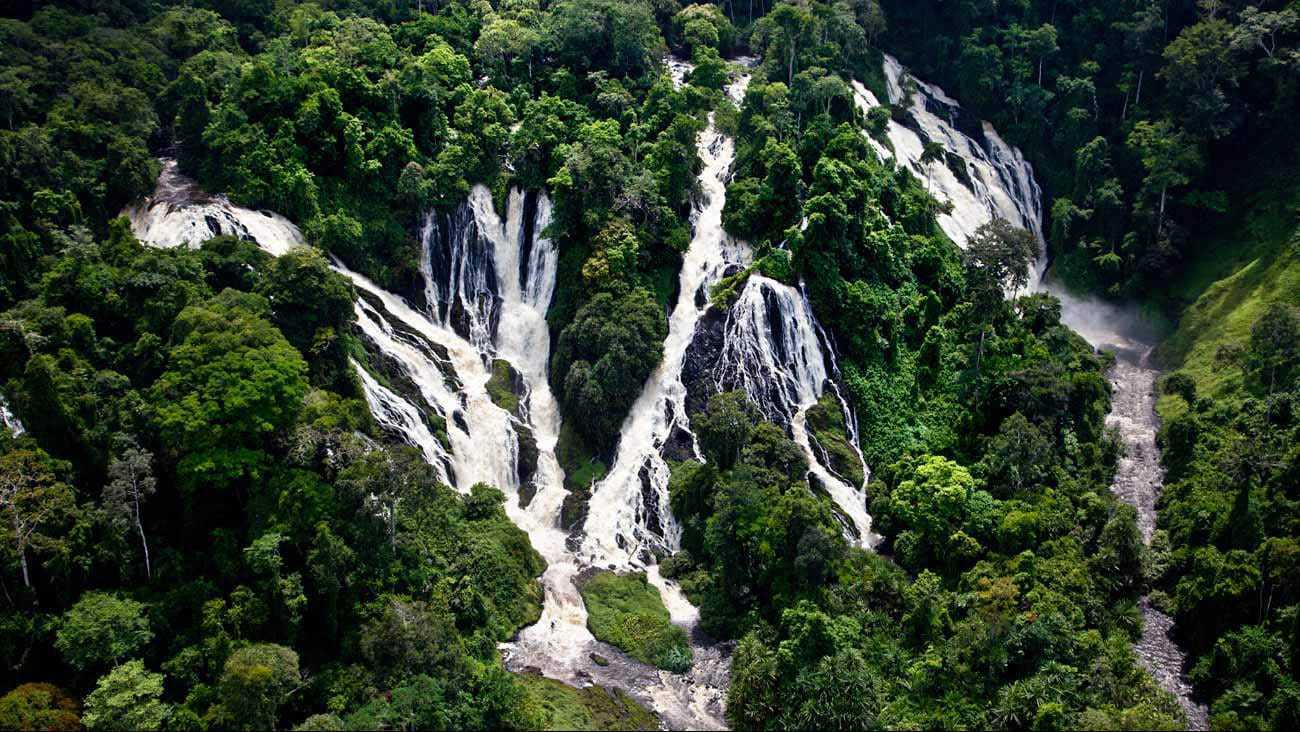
179	213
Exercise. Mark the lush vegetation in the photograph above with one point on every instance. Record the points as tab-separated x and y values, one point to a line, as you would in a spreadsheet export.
195	518
563	707
1139	117
626	611
1161	131
203	528
1226	554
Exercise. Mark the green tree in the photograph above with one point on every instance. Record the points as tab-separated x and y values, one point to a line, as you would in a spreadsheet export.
603	357
254	684
939	505
128	697
704	25
723	429
35	503
932	153
39	707
232	380
1199	68
618	35
1168	155
504	40
102	629
1275	345
409	637
312	307
998	256
1019	456
782	32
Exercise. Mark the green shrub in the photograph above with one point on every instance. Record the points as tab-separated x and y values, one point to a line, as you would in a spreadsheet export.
624	610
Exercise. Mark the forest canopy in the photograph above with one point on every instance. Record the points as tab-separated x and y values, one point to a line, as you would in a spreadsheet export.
206	526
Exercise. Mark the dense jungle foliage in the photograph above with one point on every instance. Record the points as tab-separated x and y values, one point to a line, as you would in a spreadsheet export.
204	529
1141	118
1160	129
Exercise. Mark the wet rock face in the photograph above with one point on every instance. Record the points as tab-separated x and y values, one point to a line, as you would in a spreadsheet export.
528	457
508	389
650	502
573	514
394	372
463	278
679	446
529	235
699	369
436	352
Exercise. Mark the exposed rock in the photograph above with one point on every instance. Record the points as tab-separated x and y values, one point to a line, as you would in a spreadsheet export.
528	457
574	511
507	388
699	368
680	445
830	437
435	352
463	274
649	503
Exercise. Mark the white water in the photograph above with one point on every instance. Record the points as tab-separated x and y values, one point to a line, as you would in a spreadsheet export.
9	420
1003	185
1001	180
678	70
178	213
397	416
776	352
622	512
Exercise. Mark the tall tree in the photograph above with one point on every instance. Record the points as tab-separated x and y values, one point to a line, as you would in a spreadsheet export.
1275	344
128	697
131	482
34	501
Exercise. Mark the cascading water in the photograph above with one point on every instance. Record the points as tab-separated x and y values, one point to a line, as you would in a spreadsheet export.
179	213
629	517
981	175
9	420
491	286
1000	182
774	350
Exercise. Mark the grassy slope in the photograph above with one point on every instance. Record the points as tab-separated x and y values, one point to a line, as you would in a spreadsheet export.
1250	262
592	708
624	610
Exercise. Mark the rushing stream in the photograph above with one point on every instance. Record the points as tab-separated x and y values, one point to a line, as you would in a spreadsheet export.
997	181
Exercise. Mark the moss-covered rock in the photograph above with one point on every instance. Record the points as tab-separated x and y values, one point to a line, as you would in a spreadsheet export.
507	389
559	706
826	424
582	468
626	611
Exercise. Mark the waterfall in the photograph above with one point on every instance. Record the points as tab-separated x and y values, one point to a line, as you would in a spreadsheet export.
980	177
1000	182
775	351
488	284
179	213
629	517
9	420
